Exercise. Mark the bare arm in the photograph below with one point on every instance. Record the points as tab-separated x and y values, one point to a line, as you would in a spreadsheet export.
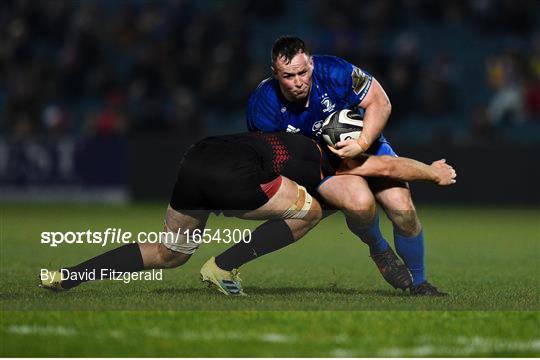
399	168
377	110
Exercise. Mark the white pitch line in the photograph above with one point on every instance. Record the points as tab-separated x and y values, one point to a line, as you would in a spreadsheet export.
41	330
339	352
224	335
478	344
463	347
277	338
190	336
413	352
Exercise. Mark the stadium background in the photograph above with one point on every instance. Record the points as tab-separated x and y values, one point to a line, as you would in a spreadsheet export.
98	99
93	92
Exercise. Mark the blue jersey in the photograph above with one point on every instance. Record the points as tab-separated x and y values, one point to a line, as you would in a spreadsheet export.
336	85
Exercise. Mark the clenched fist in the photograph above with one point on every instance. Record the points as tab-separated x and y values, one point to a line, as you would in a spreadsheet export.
445	174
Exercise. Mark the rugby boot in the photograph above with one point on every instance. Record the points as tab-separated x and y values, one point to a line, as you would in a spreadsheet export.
53	281
227	282
426	289
393	269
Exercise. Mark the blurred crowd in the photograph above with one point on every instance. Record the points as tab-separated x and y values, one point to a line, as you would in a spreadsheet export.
107	67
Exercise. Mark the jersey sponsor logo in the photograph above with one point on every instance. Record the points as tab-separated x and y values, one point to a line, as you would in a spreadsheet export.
292	129
360	81
327	103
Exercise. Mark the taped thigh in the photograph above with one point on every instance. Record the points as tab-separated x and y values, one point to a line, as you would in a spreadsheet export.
299	211
177	241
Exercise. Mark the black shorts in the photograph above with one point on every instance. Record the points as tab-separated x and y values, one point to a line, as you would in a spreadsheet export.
221	176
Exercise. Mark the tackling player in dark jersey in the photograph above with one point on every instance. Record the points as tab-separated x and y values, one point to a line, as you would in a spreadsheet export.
251	176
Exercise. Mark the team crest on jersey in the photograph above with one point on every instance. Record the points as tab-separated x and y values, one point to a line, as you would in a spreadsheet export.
360	81
327	103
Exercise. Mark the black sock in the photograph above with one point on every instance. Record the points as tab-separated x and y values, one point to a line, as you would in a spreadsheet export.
127	258
269	237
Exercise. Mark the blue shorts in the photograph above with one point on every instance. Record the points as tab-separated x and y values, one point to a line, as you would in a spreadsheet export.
381	147
378	148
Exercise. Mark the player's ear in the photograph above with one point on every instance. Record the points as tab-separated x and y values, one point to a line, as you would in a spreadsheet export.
274	72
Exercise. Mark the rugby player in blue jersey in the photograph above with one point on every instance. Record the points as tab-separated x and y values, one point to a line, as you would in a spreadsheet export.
303	91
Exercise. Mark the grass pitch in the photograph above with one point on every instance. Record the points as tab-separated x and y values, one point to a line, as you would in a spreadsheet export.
320	297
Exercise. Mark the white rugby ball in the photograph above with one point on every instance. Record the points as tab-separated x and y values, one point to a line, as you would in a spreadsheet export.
342	125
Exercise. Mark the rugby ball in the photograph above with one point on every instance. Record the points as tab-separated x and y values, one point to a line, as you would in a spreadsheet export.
341	125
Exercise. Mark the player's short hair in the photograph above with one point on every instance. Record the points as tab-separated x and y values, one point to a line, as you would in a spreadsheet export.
288	47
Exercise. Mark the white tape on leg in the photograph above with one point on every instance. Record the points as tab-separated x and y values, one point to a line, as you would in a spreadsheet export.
293	212
177	241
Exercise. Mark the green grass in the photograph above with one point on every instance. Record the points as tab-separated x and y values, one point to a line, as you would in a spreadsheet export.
320	297
276	333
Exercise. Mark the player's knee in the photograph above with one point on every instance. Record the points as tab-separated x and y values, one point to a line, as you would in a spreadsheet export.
406	223
362	213
300	225
169	256
304	207
170	259
399	199
358	219
314	214
399	206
